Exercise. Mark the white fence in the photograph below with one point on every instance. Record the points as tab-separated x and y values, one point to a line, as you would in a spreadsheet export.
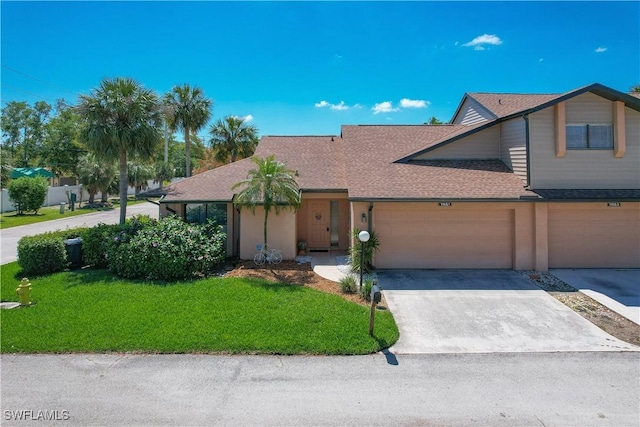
57	195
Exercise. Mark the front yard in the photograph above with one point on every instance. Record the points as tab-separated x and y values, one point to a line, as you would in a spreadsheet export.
91	311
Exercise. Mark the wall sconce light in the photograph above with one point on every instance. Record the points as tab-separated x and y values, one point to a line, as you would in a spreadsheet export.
363	218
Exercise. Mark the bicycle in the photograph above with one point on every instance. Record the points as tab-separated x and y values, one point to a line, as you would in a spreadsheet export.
271	256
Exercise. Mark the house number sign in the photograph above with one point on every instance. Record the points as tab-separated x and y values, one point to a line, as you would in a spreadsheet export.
445	204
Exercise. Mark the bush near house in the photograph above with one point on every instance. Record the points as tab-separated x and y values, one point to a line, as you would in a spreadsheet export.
28	194
169	251
141	248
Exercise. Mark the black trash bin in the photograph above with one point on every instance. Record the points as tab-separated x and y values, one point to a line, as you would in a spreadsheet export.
74	252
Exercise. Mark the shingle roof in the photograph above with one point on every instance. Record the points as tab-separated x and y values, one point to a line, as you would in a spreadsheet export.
318	159
372	173
212	185
506	104
587	194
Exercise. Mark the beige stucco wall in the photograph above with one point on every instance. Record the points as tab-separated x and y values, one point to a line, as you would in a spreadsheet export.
281	232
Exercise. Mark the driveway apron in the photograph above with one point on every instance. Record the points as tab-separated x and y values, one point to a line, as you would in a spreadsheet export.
484	311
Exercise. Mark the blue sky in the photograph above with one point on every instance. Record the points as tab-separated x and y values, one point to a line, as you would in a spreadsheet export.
305	68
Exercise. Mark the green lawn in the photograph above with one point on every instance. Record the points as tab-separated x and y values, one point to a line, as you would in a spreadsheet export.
91	311
11	219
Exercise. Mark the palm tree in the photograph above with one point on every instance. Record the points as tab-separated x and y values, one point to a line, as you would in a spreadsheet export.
187	110
139	175
96	175
121	119
271	185
233	138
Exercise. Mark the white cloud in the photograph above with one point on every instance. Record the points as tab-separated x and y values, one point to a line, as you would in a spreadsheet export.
338	107
383	107
413	103
480	42
541	59
246	118
600	49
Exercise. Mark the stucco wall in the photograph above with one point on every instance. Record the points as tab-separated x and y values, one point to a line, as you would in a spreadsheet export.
281	232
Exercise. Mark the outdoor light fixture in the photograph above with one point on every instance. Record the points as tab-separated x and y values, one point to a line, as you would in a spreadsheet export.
363	236
364	217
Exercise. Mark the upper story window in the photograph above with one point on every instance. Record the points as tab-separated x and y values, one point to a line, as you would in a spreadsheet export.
589	137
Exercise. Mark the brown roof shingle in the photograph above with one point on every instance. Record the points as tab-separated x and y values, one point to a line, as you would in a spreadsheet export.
506	104
373	173
319	161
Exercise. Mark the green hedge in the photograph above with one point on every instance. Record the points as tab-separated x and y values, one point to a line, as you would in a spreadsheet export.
169	251
45	253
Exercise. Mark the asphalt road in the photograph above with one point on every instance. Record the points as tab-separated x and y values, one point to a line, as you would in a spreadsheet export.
9	237
500	389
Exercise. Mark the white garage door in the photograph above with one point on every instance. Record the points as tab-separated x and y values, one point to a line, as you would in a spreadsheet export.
423	236
594	238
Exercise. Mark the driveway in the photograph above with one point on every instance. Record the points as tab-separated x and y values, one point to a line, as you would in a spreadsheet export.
618	289
483	311
11	236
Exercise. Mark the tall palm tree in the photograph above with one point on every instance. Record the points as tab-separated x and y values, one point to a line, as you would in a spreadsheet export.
121	119
271	185
188	110
233	138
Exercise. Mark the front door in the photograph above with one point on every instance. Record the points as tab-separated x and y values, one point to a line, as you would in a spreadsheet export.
319	224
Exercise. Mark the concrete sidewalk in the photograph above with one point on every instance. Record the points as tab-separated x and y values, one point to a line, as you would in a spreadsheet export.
618	289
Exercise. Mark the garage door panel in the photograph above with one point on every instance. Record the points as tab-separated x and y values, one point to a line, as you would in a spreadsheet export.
596	238
444	238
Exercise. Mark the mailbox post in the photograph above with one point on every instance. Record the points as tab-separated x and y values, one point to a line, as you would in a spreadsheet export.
376	297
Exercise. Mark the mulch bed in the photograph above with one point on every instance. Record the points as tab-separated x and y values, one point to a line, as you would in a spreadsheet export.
292	273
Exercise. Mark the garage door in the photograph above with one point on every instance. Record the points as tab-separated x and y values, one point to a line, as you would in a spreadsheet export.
594	238
421	236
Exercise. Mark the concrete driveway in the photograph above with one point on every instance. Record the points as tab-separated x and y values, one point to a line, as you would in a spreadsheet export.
484	311
618	289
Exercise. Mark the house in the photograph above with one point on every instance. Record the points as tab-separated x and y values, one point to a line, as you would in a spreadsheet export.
512	181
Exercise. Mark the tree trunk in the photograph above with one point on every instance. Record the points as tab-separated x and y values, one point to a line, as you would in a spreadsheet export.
266	218
187	152
92	195
124	185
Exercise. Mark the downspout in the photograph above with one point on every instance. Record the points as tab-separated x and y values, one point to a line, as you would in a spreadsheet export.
528	148
370	225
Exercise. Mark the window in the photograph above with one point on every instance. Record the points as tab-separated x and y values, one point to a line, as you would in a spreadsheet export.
201	212
589	137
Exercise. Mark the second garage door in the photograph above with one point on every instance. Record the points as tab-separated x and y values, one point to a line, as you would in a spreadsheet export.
594	238
420	235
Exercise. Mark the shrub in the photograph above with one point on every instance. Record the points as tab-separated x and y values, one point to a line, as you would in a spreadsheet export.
348	284
172	250
28	194
365	290
42	254
95	244
355	252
